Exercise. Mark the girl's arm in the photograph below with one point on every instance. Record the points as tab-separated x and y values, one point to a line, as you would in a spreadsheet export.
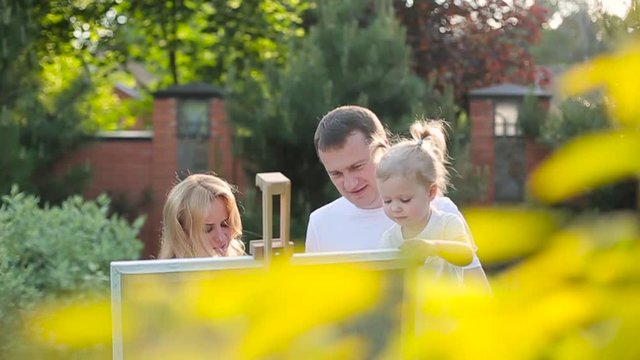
452	243
455	252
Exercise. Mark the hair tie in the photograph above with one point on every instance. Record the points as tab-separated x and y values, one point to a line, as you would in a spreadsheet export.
420	141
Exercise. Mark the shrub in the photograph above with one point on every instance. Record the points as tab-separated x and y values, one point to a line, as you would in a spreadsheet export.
52	252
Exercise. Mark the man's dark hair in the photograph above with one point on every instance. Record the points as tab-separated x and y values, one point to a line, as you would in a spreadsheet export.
340	123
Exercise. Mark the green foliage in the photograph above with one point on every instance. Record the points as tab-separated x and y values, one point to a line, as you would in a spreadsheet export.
36	138
531	116
575	117
585	31
354	54
577	38
48	66
196	40
53	252
130	205
468	183
571	118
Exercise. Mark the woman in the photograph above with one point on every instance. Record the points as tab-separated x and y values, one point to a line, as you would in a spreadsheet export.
201	219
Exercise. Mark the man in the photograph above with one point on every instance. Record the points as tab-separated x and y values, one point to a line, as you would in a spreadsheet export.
349	141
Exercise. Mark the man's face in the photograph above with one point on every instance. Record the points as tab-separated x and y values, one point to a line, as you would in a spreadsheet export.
352	170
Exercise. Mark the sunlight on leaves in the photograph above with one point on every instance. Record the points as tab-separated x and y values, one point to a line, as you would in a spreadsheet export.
618	74
586	163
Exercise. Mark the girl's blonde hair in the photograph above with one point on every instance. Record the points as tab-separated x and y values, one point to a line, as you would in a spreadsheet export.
422	159
183	218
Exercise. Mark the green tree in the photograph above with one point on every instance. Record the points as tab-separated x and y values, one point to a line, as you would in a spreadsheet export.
531	116
355	54
571	118
184	41
581	116
584	31
52	68
578	37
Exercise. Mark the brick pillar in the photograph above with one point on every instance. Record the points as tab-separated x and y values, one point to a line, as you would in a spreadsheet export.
164	164
222	159
220	148
482	144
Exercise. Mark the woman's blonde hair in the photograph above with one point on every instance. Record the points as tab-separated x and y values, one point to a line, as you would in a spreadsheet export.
422	159
183	218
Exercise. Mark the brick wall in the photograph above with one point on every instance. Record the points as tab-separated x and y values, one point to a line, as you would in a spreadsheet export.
536	154
221	157
482	144
481	113
121	167
163	165
138	168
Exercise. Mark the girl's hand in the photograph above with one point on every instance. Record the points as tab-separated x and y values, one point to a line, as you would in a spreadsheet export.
418	250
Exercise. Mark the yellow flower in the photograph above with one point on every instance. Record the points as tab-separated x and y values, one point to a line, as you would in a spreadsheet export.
77	324
618	74
508	233
586	163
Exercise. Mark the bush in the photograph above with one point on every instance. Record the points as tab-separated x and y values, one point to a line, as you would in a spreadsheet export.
532	116
52	252
571	118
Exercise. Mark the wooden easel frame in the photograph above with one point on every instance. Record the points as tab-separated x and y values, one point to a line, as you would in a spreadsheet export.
271	184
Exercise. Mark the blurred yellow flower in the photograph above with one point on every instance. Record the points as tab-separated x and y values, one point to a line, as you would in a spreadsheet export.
618	73
507	233
250	313
585	163
76	324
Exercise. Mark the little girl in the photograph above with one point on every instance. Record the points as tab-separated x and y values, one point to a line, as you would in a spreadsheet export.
409	177
201	219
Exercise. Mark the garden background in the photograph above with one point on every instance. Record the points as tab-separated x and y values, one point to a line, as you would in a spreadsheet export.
572	244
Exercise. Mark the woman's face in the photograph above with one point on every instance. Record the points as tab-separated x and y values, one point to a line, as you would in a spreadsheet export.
216	226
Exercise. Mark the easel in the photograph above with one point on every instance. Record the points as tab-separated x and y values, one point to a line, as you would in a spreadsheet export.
271	184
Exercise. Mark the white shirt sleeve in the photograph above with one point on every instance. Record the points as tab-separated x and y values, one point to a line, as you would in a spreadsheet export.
462	227
455	230
445	204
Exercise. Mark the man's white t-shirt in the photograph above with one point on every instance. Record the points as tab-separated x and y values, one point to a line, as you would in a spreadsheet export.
342	226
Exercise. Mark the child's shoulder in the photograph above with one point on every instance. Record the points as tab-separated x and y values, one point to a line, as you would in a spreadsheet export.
444	204
445	217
